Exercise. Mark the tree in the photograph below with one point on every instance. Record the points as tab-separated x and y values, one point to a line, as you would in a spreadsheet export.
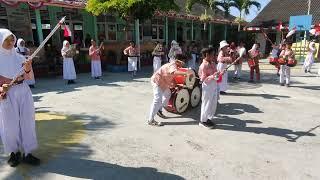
130	9
244	7
213	5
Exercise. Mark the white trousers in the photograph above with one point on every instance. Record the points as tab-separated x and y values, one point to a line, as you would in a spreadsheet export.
223	85
160	100
192	62
156	63
96	68
308	62
237	70
69	72
209	100
17	120
284	74
132	64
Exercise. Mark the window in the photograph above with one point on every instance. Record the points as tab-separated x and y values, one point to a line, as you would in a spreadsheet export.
101	31
129	32
157	29
112	32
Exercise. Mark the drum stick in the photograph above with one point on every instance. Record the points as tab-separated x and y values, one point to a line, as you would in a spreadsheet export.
37	51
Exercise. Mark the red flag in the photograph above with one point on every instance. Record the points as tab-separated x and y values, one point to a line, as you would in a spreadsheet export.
280	27
67	31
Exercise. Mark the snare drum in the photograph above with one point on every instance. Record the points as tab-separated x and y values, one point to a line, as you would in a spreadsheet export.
282	61
251	62
273	61
179	101
195	97
292	63
186	80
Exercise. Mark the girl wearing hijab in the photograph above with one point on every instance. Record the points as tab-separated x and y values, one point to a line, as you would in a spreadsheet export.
310	57
133	54
157	56
223	60
174	50
69	72
254	54
17	113
21	49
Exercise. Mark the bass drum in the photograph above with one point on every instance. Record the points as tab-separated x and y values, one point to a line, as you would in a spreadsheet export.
179	101
195	97
188	81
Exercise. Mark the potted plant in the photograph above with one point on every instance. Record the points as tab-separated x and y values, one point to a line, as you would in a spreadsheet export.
205	18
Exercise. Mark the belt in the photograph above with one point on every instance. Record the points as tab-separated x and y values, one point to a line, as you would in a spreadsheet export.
18	82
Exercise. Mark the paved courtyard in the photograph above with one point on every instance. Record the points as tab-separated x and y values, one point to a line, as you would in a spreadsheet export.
97	130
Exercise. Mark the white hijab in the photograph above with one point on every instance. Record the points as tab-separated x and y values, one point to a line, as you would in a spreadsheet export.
311	46
65	48
20	48
10	61
254	48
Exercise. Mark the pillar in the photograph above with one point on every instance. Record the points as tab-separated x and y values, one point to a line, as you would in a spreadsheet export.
175	29
39	25
192	31
210	33
166	31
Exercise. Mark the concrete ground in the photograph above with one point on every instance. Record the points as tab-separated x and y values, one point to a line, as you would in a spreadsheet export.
97	130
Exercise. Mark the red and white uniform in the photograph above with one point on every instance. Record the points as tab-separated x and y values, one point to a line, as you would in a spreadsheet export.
209	90
94	53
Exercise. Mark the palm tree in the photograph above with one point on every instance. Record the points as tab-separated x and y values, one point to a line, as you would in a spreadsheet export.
244	7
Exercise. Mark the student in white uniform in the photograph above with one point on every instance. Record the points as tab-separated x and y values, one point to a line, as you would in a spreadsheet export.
94	53
17	113
308	62
208	75
69	72
174	50
223	60
133	54
285	73
157	53
241	55
21	49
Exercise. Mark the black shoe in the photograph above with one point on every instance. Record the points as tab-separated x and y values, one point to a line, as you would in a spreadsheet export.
287	85
207	124
305	71
235	78
211	123
222	93
73	82
14	159
250	81
239	78
282	84
31	86
160	114
278	74
69	82
31	160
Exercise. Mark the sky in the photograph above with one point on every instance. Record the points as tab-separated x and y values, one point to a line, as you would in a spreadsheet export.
253	11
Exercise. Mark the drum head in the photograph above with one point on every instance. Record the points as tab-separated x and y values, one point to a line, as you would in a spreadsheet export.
195	97
190	81
182	100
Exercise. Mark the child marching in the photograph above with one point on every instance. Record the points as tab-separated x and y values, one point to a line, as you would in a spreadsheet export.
284	69
208	76
69	72
254	55
241	55
17	112
133	54
94	53
21	49
157	53
308	62
223	60
162	81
